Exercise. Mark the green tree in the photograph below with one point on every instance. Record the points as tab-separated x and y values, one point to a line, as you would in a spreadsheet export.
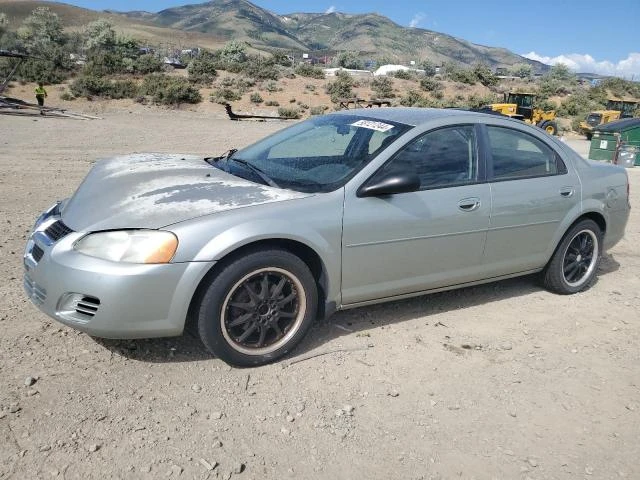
348	59
233	52
99	35
40	31
429	68
522	70
484	75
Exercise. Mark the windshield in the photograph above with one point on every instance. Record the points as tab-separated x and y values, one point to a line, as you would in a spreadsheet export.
318	155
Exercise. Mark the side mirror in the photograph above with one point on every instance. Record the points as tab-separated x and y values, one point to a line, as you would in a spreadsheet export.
390	184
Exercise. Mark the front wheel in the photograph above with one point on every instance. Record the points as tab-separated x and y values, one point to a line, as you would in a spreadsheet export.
573	265
258	308
550	127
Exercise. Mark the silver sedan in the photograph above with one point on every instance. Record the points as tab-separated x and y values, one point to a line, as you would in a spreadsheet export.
338	211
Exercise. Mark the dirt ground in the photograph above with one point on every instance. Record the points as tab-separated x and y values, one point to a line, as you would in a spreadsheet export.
501	381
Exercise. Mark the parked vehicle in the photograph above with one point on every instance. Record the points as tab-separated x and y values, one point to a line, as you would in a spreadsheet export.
616	110
522	107
339	211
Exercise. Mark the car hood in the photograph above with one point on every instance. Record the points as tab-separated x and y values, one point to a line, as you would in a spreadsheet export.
156	190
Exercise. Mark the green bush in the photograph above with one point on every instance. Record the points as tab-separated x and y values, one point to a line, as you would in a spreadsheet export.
307	70
404	75
202	70
256	98
341	87
146	64
272	87
430	85
291	113
462	75
260	68
167	90
67	96
224	95
318	110
271	103
413	98
92	86
484	75
382	87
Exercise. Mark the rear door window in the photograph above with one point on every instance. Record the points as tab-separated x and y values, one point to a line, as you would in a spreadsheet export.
516	154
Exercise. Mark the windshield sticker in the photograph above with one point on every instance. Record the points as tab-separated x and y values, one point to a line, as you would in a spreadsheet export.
371	125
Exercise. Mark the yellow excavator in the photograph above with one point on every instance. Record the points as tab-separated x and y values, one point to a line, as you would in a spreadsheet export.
522	106
616	109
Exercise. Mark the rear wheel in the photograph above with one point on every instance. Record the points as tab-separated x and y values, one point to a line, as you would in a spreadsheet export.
575	262
258	308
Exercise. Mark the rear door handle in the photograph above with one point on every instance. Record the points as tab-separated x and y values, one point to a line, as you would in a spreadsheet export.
469	204
567	191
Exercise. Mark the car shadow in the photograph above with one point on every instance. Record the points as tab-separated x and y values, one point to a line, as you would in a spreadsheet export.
188	348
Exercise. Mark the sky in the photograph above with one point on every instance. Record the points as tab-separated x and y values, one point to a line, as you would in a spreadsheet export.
586	35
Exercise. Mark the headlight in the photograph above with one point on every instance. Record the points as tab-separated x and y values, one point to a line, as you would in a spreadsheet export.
51	211
130	246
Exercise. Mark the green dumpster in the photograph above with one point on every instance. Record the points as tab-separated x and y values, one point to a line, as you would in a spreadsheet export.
610	138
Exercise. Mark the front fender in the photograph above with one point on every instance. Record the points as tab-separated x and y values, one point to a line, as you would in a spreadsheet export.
315	222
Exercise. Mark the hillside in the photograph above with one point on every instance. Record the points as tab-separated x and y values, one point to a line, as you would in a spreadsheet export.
370	34
141	26
213	23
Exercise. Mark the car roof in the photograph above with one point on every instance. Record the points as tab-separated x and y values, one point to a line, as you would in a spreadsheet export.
411	115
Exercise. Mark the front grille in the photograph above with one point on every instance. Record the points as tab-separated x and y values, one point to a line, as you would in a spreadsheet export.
87	306
37	253
57	230
36	293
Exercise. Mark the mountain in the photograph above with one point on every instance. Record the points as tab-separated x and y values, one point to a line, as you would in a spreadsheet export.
215	22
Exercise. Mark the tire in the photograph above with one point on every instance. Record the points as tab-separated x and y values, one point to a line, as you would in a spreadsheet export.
574	264
589	136
550	127
257	308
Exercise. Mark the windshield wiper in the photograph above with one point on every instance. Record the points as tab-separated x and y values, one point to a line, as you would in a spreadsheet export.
255	170
224	156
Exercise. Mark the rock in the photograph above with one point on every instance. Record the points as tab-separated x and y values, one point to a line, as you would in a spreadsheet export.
176	470
393	393
145	469
348	409
29	381
14	408
285	431
290	418
196	388
237	468
506	346
532	461
512	412
32	392
94	447
588	470
216	415
207	465
45	448
216	443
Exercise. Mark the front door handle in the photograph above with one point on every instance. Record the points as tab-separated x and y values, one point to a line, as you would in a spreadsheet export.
469	204
567	191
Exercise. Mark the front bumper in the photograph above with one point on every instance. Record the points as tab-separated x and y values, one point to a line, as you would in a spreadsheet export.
104	298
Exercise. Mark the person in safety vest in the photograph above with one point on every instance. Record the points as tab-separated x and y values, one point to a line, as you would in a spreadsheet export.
41	94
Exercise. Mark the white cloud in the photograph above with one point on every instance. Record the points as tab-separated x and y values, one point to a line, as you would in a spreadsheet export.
331	9
626	68
417	19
